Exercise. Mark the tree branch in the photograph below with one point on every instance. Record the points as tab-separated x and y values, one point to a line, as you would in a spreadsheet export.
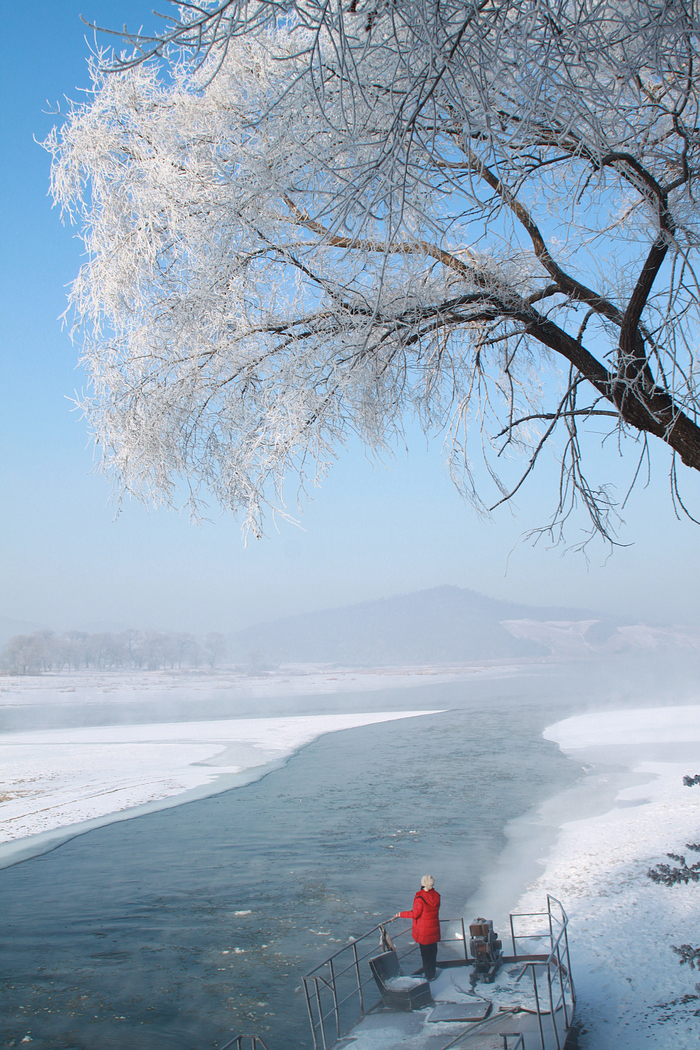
587	412
362	244
564	282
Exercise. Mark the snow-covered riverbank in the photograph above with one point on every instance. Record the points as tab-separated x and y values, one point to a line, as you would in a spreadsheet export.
119	743
169	736
204	686
56	779
632	992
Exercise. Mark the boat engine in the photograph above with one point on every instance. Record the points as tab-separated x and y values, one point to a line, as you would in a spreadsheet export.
485	949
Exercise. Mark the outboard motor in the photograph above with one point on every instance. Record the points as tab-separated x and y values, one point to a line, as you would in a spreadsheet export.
485	949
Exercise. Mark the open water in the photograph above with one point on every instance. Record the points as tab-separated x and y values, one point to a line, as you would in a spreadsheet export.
181	928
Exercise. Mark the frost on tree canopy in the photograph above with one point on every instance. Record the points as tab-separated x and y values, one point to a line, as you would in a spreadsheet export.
325	222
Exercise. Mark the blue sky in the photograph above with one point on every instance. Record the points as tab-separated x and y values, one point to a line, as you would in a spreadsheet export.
370	532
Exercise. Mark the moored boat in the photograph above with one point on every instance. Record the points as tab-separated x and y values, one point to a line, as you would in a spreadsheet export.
366	996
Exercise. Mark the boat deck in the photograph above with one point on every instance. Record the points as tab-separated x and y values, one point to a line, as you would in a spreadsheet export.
528	1005
412	1030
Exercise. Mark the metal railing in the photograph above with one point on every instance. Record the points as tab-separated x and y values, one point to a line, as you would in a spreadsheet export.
256	1043
556	967
341	989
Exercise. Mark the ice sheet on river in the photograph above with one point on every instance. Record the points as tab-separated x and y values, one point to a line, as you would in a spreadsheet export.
56	778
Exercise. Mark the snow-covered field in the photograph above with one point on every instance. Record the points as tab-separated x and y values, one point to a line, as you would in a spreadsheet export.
56	778
205	686
632	992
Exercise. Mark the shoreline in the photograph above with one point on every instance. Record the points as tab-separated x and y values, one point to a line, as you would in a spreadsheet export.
532	837
89	777
18	850
113	705
591	847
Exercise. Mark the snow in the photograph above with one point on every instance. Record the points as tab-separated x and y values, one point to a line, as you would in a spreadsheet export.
632	992
57	778
653	725
398	983
206	686
574	639
453	986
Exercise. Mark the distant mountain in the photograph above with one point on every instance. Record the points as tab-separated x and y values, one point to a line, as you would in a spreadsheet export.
440	625
576	639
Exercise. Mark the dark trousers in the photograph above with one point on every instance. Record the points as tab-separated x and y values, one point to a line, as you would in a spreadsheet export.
428	953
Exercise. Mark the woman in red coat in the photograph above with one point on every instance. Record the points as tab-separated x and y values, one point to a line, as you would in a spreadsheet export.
426	923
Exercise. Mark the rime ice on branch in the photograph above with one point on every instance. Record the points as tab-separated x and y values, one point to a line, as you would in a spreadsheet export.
333	217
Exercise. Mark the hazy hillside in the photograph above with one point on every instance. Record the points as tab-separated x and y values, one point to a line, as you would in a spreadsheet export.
440	625
446	625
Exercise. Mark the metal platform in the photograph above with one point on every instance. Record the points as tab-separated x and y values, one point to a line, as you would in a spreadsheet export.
530	1004
462	1012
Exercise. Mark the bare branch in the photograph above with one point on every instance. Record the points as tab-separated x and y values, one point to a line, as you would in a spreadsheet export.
587	412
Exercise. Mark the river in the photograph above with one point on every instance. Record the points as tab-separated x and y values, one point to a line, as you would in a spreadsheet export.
181	928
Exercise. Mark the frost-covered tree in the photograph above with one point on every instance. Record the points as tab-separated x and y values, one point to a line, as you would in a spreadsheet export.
683	873
215	647
44	651
323	219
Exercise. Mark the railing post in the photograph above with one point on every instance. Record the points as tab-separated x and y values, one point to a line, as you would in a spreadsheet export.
310	1008
572	986
537	1003
237	1041
464	941
551	931
335	997
320	1015
359	979
561	986
512	937
552	1011
553	951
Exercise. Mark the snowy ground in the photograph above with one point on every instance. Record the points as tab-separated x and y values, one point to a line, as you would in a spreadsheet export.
57	777
198	739
632	992
205	686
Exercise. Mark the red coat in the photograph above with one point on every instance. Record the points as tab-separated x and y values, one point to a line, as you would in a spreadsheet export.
426	924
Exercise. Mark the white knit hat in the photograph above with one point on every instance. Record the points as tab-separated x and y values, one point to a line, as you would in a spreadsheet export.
427	882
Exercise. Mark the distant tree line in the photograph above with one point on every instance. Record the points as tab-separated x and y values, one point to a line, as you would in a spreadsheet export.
106	650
